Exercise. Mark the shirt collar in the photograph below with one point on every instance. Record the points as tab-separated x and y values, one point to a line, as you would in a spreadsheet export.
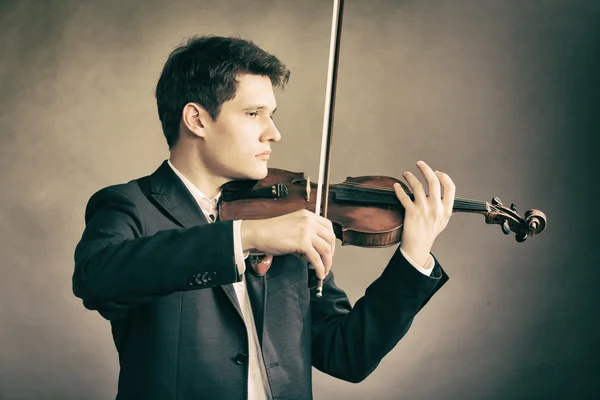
204	202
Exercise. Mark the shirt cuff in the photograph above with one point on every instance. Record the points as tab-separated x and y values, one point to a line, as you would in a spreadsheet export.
426	269
240	255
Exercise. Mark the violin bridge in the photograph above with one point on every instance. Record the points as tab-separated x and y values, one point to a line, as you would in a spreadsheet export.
308	189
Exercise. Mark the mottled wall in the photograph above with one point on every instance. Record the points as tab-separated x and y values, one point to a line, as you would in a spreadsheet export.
502	95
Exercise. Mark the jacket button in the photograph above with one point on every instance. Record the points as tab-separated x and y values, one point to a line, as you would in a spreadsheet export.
241	358
212	276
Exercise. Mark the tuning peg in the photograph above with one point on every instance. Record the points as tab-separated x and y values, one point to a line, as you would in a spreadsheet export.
505	227
513	207
521	236
496	201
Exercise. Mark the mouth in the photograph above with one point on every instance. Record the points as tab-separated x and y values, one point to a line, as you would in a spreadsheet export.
264	155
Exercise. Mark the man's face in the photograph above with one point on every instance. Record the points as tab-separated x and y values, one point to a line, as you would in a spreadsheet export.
244	130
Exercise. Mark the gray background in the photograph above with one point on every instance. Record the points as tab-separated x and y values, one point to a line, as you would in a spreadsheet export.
502	95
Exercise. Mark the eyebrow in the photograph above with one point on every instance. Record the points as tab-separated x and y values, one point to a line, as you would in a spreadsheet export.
256	107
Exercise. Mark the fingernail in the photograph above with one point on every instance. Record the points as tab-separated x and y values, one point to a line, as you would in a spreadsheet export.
421	163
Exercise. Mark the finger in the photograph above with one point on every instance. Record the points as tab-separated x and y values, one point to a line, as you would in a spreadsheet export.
449	191
323	248
323	221
327	234
415	186
317	218
433	181
310	227
403	197
314	259
323	227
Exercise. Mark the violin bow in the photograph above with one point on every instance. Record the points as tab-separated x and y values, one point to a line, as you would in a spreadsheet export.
332	71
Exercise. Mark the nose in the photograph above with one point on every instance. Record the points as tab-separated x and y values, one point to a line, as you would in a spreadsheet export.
272	133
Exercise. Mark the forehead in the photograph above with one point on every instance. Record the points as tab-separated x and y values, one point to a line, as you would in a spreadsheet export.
254	90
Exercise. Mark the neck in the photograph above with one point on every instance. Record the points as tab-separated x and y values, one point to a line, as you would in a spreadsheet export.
191	166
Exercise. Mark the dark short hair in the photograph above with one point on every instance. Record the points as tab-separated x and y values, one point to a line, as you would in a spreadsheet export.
204	71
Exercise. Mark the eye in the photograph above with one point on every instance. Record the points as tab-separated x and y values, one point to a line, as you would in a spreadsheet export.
253	114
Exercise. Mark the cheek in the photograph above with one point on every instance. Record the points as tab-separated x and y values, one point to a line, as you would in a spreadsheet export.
239	140
245	135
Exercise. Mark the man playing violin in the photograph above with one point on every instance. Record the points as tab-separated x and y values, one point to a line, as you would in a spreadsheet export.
192	317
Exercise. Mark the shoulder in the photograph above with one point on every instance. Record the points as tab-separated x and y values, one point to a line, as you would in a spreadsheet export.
132	190
129	194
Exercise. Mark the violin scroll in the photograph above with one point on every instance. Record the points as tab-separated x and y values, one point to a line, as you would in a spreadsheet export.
532	224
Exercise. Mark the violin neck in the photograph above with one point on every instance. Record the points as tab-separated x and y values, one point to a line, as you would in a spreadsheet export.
386	197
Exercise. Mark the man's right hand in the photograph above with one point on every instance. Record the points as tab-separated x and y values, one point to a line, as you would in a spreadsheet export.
302	232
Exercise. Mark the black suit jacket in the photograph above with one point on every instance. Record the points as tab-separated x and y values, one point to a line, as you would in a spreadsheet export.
149	262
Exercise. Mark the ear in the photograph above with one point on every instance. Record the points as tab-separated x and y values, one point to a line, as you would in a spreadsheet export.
194	117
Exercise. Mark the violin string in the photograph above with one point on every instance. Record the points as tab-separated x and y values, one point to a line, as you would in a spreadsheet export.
466	204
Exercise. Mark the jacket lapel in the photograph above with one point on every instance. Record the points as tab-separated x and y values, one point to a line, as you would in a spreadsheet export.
172	196
257	292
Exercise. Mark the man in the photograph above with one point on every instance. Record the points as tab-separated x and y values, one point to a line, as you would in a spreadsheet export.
191	316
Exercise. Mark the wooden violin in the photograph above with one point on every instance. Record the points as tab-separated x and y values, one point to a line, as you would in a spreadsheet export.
364	211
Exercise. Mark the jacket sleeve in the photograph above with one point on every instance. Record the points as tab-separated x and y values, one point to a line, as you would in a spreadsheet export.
349	342
118	267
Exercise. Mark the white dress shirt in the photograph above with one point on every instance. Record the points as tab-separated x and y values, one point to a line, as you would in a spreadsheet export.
258	387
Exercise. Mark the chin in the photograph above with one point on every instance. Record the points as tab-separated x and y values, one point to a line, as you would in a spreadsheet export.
257	173
260	173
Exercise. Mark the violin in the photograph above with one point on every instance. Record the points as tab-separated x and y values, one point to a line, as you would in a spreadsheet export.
364	211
